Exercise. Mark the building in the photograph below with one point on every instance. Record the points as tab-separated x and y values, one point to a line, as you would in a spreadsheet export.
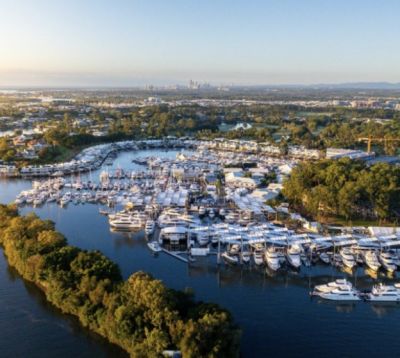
237	179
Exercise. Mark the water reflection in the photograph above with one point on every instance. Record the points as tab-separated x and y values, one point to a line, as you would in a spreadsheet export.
47	318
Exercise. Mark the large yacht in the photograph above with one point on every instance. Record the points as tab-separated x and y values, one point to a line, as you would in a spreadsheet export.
347	257
384	293
272	259
371	260
293	256
121	222
339	294
337	284
388	261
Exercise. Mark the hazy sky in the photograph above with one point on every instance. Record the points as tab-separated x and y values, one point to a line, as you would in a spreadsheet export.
134	42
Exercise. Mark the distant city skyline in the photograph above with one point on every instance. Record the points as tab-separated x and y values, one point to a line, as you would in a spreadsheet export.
136	43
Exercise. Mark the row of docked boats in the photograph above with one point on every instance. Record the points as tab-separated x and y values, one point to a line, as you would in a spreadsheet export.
270	256
343	290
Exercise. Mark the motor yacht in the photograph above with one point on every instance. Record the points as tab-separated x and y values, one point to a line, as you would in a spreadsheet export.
293	255
122	223
384	293
339	294
258	256
272	258
388	261
371	260
339	283
347	257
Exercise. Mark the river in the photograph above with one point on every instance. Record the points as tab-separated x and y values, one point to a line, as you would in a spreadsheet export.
276	314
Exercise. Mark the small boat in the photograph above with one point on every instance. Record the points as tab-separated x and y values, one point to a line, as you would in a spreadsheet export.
384	293
324	257
154	246
229	258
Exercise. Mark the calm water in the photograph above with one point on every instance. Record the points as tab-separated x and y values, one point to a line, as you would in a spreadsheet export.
275	312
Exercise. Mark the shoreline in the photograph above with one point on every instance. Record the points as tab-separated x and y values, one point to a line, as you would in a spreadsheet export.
108	304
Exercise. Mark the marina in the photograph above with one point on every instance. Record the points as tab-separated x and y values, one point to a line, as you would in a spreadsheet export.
186	202
254	293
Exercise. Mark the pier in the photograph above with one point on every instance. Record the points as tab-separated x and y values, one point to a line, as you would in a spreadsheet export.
176	255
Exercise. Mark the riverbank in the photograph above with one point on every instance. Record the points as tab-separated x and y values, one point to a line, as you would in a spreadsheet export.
140	315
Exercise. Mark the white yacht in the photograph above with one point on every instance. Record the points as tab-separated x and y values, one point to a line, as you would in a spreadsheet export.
371	260
384	293
388	261
339	294
293	255
272	258
258	256
337	284
123	223
347	257
149	227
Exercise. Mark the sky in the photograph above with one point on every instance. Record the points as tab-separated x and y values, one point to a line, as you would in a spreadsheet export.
252	42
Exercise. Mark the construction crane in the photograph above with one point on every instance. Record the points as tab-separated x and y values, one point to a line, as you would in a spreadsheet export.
371	139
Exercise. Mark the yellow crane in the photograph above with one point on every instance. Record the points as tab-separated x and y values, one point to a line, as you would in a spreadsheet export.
371	139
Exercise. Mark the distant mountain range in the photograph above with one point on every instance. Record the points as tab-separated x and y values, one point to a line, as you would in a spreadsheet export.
361	85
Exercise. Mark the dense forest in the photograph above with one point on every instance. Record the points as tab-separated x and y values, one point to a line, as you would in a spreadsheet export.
140	314
345	188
